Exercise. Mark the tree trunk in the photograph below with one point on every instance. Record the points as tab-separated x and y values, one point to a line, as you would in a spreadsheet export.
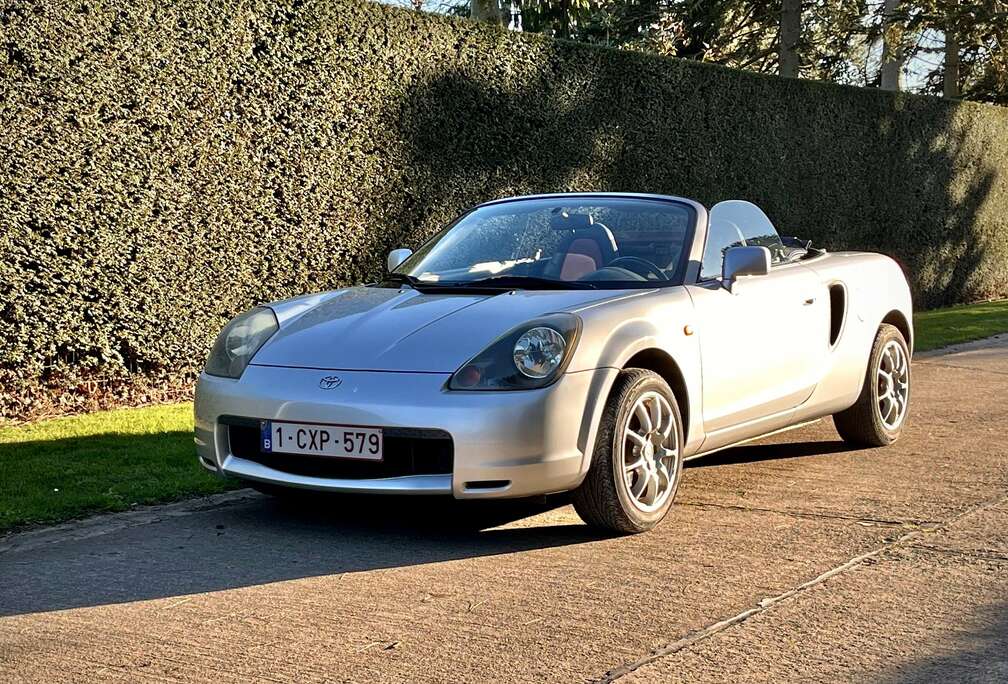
951	89
488	11
790	34
892	50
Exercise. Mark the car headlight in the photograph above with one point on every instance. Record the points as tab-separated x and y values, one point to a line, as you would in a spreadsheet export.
539	351
239	341
529	356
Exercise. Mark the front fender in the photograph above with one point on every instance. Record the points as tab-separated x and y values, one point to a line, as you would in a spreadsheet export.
614	333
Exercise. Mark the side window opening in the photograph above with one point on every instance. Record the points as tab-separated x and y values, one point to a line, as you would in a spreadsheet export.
735	223
720	236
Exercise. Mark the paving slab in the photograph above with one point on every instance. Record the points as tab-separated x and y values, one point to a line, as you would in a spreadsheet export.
920	612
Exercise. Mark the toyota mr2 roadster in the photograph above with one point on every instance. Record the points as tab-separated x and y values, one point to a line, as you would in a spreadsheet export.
583	343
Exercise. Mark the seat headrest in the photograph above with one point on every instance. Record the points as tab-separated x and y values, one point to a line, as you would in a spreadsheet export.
565	221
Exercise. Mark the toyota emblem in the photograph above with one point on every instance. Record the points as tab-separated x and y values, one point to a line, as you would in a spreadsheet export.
330	382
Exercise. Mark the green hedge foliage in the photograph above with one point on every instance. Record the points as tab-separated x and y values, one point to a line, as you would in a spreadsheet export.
168	164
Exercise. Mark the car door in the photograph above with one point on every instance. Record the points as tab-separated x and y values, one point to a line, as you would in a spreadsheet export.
763	342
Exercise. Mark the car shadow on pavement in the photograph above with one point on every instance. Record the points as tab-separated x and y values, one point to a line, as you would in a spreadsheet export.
263	540
754	453
978	653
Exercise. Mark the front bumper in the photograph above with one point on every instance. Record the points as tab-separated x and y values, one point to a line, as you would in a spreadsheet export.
504	444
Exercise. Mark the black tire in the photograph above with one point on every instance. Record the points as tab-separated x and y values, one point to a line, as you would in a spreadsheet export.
862	424
602	499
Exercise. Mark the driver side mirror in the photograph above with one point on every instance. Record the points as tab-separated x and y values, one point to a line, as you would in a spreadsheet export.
745	261
396	257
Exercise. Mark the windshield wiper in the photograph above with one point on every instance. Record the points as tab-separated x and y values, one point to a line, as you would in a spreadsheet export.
512	282
401	279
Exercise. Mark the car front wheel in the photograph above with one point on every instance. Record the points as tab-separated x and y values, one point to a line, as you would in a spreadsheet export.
637	461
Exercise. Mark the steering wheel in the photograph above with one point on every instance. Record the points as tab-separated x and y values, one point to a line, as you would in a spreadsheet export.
644	267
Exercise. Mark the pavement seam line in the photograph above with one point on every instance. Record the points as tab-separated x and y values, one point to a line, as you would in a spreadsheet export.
768	603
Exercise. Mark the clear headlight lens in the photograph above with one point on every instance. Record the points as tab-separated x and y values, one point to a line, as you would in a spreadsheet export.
538	352
529	356
239	341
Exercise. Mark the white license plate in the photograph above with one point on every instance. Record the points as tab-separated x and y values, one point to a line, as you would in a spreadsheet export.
342	441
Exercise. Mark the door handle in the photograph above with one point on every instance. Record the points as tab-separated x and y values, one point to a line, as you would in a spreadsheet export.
810	301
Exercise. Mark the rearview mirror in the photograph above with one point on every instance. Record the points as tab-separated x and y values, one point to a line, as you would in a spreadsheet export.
745	261
396	257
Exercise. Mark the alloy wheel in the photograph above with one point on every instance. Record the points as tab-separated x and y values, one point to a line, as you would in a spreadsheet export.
893	385
649	456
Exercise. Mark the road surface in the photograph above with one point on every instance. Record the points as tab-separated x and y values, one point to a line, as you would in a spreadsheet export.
792	559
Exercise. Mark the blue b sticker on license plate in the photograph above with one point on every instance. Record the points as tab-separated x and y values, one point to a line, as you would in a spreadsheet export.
267	436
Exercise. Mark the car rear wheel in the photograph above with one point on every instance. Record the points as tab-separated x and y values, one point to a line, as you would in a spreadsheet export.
878	416
637	461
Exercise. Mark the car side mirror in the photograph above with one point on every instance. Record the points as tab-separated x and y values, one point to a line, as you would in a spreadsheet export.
396	257
745	261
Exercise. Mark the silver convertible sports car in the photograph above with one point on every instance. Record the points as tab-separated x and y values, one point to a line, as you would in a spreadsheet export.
578	342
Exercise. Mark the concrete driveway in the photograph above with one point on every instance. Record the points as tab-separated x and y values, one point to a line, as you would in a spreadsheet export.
792	559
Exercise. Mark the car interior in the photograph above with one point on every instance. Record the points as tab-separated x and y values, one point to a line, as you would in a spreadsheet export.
601	243
591	251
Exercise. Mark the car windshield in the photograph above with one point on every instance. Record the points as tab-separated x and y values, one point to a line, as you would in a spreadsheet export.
560	242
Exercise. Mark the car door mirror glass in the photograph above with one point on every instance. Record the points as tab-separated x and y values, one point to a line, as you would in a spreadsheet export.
396	257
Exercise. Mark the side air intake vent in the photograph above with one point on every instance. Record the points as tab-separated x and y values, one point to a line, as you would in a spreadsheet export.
838	310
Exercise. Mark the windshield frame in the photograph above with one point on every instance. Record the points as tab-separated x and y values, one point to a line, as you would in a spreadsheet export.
678	277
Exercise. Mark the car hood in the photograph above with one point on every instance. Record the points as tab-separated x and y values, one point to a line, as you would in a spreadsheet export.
385	329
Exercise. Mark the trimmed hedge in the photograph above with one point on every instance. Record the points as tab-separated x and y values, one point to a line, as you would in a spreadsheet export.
168	164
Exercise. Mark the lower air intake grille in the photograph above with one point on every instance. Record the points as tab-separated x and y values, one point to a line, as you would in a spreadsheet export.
406	452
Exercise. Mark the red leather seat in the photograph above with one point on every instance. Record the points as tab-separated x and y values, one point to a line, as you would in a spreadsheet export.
589	247
583	257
